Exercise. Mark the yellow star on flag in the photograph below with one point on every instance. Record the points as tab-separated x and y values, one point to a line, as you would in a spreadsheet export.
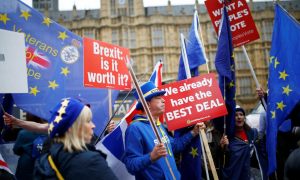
4	18
25	14
50	128
47	21
230	84
232	68
33	90
65	102
271	59
194	152
276	63
273	114
57	119
283	75
52	85
232	54
65	71
62	110
62	35
234	97
280	105
286	90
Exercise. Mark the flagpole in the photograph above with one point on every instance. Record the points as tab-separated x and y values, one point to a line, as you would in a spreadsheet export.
201	131
118	110
254	76
225	102
202	40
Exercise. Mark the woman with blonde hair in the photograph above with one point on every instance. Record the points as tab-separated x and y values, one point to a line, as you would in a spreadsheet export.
71	128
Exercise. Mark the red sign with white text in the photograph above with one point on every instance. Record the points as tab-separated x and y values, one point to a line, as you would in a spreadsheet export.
105	65
242	26
194	100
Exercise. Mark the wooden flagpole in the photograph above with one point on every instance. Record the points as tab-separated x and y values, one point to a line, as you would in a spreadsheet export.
146	108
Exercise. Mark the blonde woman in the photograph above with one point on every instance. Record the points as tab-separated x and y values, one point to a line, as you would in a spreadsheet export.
71	128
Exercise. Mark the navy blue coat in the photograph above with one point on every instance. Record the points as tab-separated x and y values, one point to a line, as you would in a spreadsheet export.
23	147
238	166
77	165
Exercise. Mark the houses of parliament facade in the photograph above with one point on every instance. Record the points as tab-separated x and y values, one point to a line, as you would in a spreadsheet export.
152	33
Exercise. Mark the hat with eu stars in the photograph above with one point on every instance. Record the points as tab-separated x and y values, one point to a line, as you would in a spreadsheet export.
64	114
149	91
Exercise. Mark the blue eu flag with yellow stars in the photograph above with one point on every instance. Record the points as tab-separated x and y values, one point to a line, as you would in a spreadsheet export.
284	76
226	68
54	57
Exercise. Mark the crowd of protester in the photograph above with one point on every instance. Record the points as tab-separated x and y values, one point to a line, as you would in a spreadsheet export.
68	153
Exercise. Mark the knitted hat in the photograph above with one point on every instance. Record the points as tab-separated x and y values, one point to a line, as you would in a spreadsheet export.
63	116
240	109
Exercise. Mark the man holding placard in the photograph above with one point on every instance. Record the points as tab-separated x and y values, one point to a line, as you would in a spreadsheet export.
143	152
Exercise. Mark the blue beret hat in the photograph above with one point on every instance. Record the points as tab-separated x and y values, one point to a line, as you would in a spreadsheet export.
63	116
149	91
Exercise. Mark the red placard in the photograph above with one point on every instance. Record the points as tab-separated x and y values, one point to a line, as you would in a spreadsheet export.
105	66
193	100
242	26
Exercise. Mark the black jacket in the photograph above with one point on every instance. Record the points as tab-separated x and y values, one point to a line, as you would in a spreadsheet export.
77	165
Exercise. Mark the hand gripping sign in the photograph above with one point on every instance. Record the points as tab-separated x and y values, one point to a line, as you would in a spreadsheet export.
193	100
105	66
242	26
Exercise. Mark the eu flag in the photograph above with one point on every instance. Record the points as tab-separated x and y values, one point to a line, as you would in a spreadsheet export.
284	76
7	102
226	68
190	164
54	57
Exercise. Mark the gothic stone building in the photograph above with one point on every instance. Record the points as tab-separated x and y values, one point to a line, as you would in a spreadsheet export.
152	33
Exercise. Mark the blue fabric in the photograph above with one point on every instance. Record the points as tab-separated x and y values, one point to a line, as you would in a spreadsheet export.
226	68
7	102
49	77
190	165
286	126
64	115
194	51
23	148
140	141
87	165
239	161
284	76
38	146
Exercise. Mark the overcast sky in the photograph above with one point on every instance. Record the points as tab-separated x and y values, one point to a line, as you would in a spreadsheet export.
95	4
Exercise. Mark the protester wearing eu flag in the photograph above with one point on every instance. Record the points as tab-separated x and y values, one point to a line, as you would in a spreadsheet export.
284	76
54	56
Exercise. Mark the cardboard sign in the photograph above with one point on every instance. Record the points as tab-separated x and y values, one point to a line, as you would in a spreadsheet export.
104	65
242	26
193	100
13	71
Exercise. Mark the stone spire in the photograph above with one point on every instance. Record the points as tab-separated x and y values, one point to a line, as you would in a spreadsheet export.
74	12
169	8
